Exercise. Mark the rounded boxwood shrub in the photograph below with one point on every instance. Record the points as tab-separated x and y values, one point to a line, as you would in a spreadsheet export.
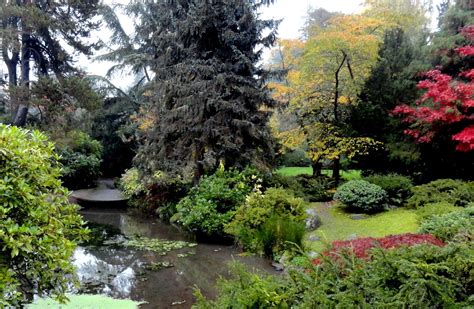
361	195
398	187
38	227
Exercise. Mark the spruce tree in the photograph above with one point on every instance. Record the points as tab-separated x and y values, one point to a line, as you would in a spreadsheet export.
209	97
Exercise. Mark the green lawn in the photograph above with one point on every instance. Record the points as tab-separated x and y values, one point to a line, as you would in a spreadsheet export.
337	225
295	171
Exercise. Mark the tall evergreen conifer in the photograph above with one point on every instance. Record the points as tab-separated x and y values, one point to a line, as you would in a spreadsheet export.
209	98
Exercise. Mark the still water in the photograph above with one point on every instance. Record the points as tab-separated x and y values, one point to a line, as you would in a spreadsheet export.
122	272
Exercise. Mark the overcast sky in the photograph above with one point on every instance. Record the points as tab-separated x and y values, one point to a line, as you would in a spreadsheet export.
292	12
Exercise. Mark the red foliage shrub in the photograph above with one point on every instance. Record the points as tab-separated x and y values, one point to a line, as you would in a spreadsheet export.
448	100
360	247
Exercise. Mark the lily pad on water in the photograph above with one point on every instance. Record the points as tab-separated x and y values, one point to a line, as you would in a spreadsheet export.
183	255
85	302
158	265
162	247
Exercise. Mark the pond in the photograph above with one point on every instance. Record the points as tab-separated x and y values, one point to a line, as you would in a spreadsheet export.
162	278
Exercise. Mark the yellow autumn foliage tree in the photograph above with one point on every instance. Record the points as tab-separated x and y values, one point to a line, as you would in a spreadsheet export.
327	73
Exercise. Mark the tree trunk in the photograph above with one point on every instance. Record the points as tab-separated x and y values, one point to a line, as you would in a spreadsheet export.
12	64
21	113
336	170
198	167
317	168
20	116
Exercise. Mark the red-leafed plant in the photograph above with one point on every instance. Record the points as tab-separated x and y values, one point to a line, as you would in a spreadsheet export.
447	101
360	247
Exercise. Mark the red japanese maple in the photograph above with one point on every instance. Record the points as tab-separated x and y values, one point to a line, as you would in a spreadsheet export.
360	247
447	101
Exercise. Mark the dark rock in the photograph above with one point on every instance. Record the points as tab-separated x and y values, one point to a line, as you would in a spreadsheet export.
313	221
358	216
278	266
352	237
312	254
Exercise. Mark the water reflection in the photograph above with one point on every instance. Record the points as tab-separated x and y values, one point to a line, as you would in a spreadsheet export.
114	276
120	272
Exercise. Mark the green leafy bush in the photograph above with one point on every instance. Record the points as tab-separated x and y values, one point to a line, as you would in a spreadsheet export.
265	223
422	276
454	226
156	194
433	209
38	227
316	189
132	187
130	183
212	203
361	195
81	159
246	290
398	187
295	157
456	192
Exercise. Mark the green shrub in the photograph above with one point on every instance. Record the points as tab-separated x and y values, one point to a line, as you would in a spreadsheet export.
430	210
456	192
133	187
422	276
398	187
212	203
454	226
81	159
38	227
316	189
246	290
277	180
156	194
265	222
295	157
361	195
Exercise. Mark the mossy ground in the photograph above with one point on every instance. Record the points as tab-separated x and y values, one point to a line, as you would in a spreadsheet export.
337	224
